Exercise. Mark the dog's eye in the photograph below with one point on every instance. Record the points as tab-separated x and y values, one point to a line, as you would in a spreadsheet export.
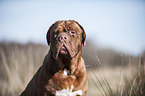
73	32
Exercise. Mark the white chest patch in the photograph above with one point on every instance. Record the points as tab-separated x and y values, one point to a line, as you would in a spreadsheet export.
68	92
66	72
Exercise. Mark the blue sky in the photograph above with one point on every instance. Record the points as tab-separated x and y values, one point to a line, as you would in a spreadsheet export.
117	24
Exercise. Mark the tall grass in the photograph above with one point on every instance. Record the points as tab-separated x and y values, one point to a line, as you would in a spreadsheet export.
132	80
136	85
18	63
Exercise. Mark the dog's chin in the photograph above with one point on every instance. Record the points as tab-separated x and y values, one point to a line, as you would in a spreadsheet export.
62	53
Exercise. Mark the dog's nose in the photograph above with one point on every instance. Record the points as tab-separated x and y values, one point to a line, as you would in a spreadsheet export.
62	37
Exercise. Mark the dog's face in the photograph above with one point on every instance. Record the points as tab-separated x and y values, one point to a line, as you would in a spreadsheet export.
66	38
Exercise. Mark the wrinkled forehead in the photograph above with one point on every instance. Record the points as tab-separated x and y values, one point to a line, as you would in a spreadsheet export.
68	25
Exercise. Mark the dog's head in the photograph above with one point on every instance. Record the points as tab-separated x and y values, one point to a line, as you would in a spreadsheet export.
66	38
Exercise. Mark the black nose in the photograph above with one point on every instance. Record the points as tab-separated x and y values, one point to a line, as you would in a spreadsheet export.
62	37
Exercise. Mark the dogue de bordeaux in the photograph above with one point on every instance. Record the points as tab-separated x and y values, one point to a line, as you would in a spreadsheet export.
63	72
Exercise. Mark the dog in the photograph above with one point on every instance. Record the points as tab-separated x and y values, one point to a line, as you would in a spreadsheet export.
63	71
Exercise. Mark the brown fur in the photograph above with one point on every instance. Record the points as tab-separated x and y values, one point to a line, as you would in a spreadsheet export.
49	78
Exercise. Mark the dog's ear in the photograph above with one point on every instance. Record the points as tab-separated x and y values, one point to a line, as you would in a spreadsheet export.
83	34
48	34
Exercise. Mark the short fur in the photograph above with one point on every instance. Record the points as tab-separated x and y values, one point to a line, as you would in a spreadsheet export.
65	39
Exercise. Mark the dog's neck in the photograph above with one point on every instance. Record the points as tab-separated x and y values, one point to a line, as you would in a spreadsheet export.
62	63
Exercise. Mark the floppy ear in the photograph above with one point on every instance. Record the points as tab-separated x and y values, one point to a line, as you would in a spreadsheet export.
48	37
84	38
83	34
48	34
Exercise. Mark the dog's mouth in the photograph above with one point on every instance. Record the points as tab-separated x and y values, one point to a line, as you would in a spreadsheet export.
62	50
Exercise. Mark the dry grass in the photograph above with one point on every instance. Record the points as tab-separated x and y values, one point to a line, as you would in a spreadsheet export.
117	81
18	63
115	77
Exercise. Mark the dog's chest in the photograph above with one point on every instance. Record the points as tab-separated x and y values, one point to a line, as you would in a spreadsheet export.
66	72
68	91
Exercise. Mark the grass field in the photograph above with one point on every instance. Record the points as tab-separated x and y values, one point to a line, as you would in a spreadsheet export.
18	64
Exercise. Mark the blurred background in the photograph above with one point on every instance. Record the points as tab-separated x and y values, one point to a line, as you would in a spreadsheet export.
114	54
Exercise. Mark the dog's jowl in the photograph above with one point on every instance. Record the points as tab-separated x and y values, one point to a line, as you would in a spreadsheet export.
63	71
